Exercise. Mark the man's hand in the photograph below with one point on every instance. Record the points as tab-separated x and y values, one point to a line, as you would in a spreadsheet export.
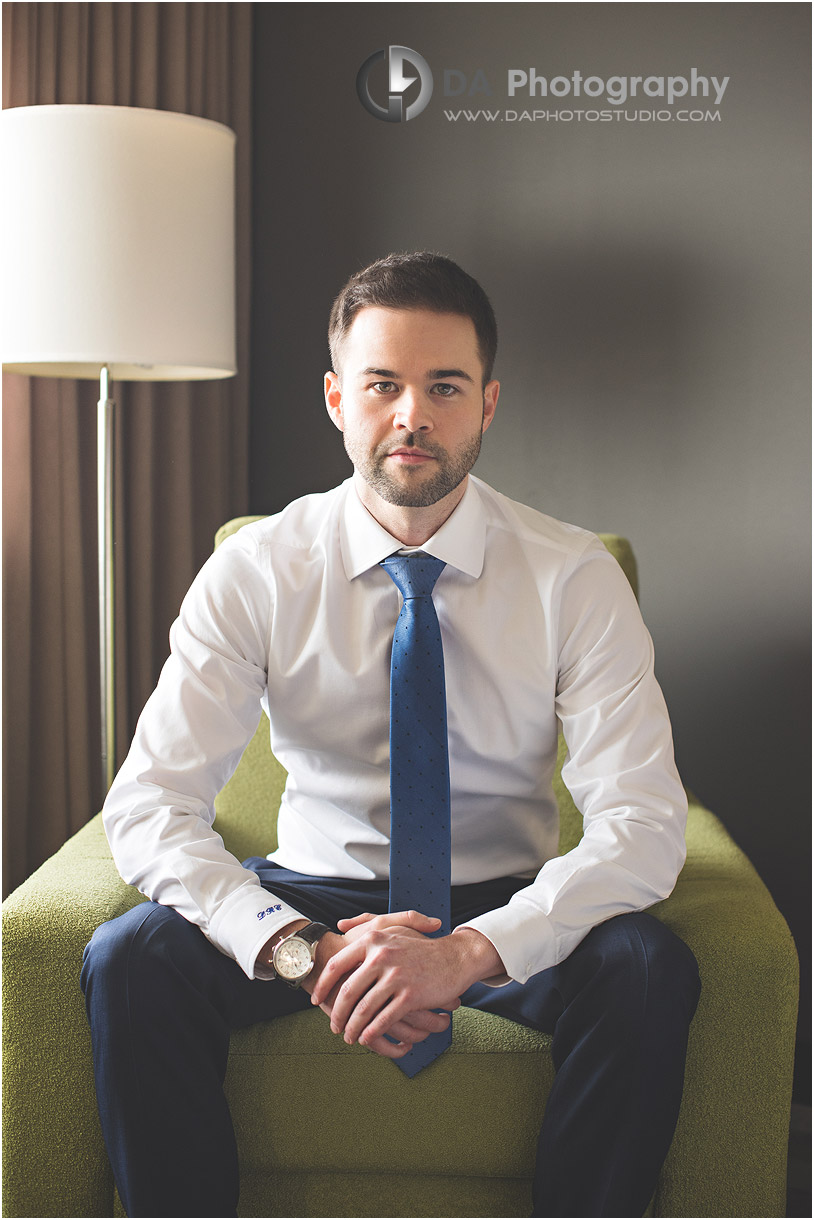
414	1026
388	973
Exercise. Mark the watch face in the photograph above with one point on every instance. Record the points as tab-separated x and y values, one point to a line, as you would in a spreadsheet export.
293	959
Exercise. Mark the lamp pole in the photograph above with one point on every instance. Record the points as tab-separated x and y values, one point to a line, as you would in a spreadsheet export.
105	438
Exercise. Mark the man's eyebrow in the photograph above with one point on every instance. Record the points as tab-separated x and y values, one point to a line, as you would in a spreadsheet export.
441	374
432	374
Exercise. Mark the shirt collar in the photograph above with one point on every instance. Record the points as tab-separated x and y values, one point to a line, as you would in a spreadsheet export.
459	542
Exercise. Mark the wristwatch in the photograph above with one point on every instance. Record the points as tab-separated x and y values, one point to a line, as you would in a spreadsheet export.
293	958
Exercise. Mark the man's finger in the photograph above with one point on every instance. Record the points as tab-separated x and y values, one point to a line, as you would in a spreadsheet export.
411	919
426	1021
389	1050
372	1015
393	919
375	1016
415	1027
361	997
344	925
342	963
405	1031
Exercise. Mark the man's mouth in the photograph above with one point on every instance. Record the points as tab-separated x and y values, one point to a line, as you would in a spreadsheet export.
410	456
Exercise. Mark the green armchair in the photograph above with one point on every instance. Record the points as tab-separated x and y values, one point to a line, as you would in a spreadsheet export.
373	1146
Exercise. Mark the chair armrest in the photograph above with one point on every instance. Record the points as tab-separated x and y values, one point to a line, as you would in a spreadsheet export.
54	1161
728	1157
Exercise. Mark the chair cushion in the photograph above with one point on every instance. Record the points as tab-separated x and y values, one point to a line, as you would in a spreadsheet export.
486	1096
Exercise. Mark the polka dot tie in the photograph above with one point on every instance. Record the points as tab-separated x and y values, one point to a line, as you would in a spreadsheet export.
419	764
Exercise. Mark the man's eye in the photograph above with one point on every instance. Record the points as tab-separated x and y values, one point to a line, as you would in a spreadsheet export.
384	387
444	390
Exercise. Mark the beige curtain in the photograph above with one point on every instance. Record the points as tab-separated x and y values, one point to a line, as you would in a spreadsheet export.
182	449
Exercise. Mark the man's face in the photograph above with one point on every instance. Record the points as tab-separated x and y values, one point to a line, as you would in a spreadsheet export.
411	404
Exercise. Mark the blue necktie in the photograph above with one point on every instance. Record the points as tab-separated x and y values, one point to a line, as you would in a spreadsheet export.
419	764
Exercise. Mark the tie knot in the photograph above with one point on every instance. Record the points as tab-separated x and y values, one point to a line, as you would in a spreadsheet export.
414	575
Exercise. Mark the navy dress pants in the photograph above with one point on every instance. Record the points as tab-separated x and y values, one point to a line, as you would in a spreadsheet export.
162	1002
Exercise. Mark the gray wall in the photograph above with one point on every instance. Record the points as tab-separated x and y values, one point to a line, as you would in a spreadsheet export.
651	285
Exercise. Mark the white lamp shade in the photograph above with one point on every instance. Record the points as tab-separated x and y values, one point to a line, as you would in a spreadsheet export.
117	232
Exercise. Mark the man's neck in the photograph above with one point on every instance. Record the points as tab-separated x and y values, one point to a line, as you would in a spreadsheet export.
411	526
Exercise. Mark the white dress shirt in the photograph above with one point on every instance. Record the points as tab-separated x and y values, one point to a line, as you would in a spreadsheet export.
293	613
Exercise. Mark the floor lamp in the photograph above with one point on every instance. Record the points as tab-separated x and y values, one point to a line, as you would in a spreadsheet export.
117	234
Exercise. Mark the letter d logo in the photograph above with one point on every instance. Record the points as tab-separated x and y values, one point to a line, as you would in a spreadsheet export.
398	82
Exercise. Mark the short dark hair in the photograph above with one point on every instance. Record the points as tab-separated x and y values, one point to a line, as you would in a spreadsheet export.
416	281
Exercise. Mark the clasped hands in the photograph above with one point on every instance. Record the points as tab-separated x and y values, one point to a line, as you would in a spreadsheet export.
384	975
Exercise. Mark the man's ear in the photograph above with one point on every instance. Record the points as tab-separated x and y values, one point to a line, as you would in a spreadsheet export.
333	400
490	397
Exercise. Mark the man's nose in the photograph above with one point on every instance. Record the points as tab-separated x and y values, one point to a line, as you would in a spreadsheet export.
413	412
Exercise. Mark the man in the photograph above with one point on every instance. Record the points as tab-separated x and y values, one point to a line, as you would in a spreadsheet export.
537	627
